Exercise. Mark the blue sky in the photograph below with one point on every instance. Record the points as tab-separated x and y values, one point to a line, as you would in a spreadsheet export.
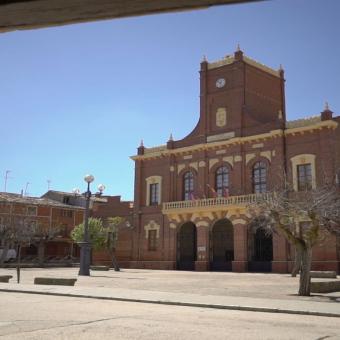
78	99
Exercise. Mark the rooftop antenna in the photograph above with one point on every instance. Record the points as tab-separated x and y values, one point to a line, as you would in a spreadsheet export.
48	184
6	178
25	193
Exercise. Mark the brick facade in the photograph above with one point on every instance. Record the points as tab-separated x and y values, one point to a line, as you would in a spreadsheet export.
242	122
45	214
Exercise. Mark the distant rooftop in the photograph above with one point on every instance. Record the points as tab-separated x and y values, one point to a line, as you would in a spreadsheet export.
17	198
306	121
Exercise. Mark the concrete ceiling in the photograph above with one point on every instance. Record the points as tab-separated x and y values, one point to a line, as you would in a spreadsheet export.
29	14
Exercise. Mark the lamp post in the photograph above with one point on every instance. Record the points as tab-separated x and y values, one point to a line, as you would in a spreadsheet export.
85	245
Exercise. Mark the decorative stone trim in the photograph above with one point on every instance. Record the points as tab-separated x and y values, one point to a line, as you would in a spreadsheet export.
237	158
266	154
257	146
221	152
221	117
152	225
239	221
221	136
229	160
187	157
201	164
212	162
180	167
172	168
202	224
249	157
329	124
217	142
173	225
194	165
209	146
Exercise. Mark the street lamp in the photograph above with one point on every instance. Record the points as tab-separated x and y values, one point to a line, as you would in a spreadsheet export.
85	245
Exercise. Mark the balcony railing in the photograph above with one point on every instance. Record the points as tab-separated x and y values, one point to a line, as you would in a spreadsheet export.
215	202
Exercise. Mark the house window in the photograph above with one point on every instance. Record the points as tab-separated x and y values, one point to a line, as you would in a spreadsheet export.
304	173
222	181
259	177
32	211
32	225
188	186
154	194
152	239
66	213
304	177
66	200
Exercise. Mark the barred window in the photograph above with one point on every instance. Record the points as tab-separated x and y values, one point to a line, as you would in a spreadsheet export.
154	194
188	186
66	213
259	177
32	211
222	181
152	238
304	172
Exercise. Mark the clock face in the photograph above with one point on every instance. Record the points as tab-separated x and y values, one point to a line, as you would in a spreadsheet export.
220	82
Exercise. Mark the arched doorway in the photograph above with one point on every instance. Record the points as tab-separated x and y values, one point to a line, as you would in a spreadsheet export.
222	245
262	252
186	247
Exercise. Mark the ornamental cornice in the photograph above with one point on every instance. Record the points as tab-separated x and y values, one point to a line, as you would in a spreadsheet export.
329	124
162	152
209	146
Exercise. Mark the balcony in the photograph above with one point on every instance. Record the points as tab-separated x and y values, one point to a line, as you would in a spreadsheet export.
211	204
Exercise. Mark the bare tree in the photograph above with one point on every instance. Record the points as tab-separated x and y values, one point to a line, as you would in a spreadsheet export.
303	218
42	236
23	230
7	237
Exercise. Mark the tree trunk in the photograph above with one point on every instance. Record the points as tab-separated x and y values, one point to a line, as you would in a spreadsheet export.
4	254
41	253
114	261
297	262
18	263
306	263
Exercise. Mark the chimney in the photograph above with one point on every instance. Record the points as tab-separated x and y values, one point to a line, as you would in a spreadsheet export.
326	114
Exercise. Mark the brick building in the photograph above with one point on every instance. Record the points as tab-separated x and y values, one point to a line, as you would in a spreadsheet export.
114	207
42	214
191	194
103	207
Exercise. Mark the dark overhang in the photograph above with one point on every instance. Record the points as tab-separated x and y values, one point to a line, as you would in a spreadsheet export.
29	14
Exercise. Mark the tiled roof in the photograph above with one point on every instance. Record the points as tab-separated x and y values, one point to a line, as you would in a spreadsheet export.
78	196
17	198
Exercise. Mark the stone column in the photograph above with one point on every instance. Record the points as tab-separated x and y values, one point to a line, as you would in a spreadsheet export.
202	260
240	263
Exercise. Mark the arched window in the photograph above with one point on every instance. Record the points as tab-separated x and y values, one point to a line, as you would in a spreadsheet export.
259	177
188	186
222	181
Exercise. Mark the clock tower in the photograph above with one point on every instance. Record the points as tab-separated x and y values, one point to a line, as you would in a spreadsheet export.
239	97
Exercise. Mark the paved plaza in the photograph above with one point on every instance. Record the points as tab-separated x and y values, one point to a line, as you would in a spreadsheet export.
153	304
253	285
28	316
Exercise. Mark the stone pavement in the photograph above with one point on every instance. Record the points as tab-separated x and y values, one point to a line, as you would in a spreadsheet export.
252	292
